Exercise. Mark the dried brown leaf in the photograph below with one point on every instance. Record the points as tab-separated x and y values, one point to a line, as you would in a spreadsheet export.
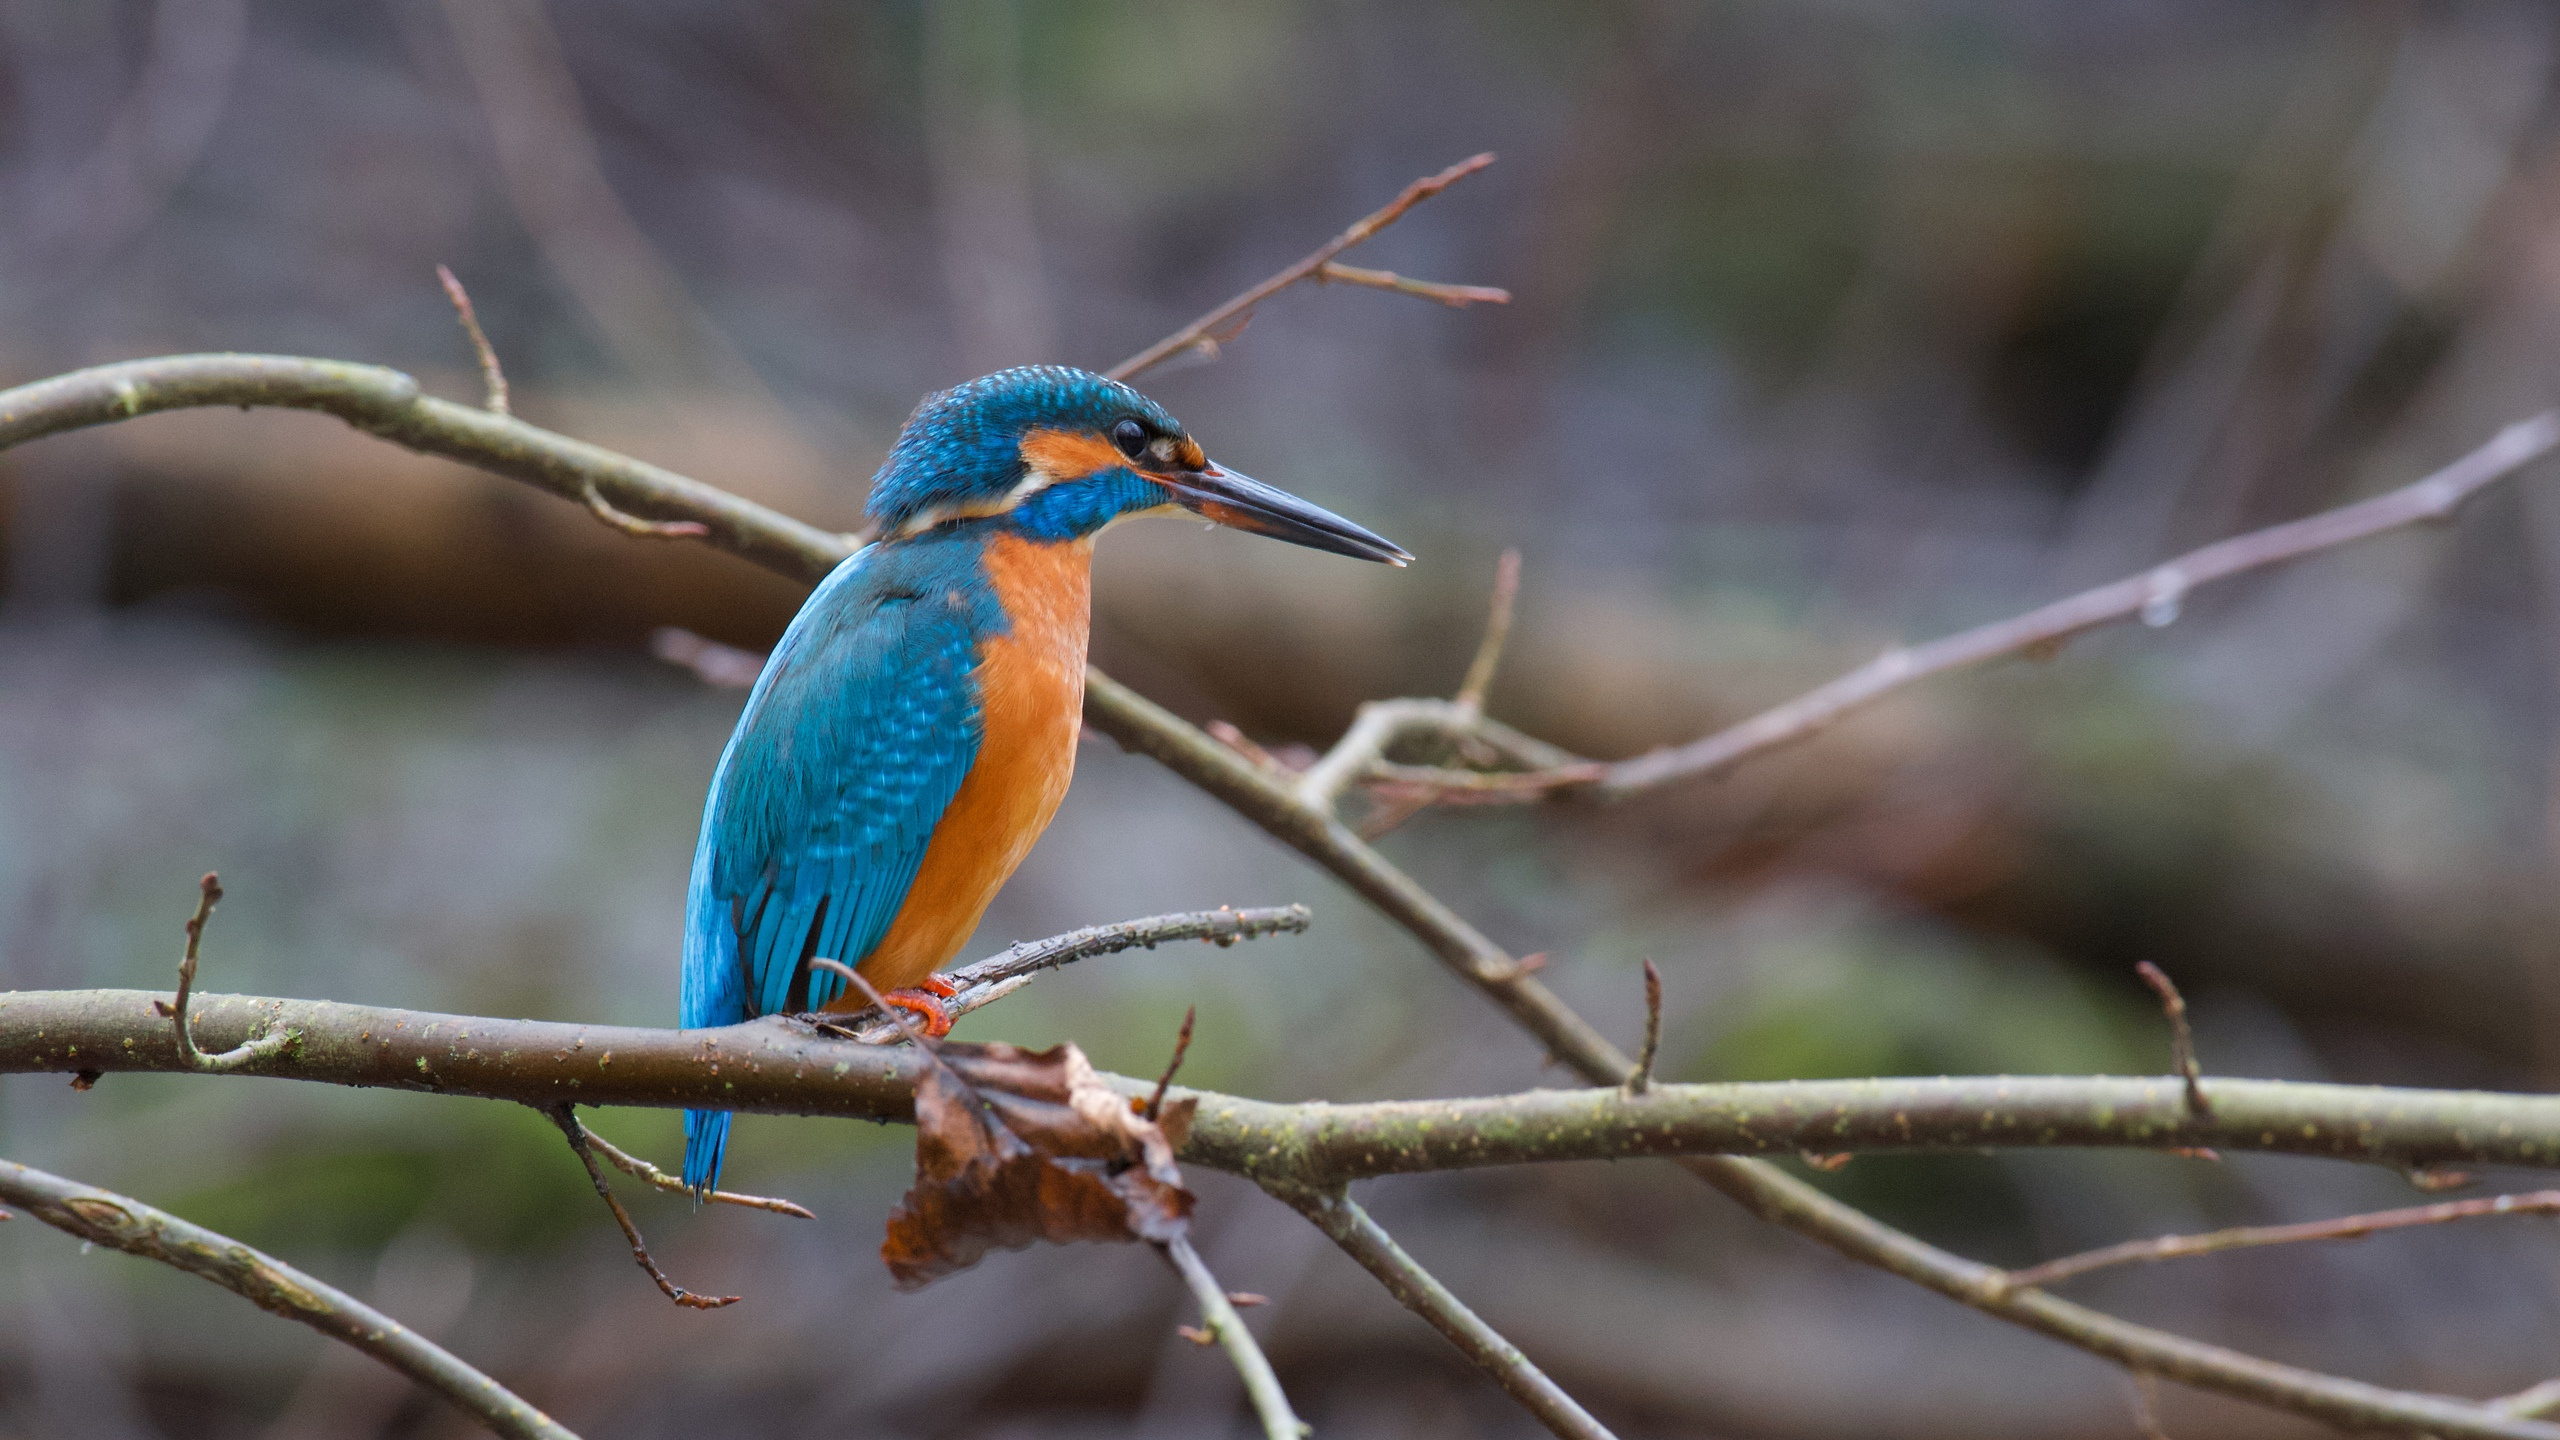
1015	1146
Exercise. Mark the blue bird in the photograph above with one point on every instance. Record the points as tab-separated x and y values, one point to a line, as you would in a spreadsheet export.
916	728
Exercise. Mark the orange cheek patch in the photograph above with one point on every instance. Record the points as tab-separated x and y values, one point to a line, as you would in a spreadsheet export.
1188	452
1068	454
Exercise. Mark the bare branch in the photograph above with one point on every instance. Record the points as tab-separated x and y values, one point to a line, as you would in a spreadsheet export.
1640	1079
2245	1237
2155	595
1497	630
491	376
1181	1047
781	1067
997	976
2182	1041
1206	332
1226	1328
634	526
1360	1237
650	1175
1456	297
566	1117
102	1217
249	1051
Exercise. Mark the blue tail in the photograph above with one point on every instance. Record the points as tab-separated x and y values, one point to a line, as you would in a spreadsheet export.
706	1141
713	993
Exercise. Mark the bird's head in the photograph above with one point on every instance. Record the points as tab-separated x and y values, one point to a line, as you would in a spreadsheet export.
1056	454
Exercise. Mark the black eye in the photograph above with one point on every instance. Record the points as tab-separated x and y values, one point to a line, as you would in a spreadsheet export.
1131	437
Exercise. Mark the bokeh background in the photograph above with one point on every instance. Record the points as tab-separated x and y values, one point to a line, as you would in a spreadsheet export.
1837	324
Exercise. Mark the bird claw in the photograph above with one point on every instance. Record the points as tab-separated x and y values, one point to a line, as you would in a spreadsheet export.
925	1002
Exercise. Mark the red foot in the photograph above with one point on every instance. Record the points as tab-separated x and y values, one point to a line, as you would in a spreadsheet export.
925	1001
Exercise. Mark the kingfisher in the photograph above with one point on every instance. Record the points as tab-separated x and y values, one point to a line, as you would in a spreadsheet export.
915	729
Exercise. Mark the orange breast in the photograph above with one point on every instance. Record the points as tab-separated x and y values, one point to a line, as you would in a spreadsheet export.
1031	695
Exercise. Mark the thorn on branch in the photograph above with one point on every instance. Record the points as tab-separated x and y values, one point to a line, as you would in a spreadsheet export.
2182	1041
1497	630
632	525
494	379
1197	1335
566	1117
2438	1181
1181	1047
1641	1079
1246	1299
1827	1163
87	1079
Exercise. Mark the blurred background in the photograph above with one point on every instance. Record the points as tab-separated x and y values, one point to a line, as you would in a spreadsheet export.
1838	324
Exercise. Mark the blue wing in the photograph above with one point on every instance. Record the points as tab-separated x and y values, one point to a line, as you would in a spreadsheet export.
853	741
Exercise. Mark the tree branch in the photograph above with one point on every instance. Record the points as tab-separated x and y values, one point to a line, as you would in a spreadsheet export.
784	1066
997	976
565	1116
1207	332
103	1217
208	895
1270	1403
1360	1237
2246	1237
2154	594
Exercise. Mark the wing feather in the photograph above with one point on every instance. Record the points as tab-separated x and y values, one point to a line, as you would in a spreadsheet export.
852	744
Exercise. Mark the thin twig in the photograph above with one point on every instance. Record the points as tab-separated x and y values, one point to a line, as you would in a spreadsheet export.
997	976
256	1048
1270	1403
648	1174
566	1117
1181	1047
2182	1041
1640	1079
2155	594
632	525
1202	334
1477	787
1456	297
491	376
1497	630
2246	1237
102	1217
1349	1226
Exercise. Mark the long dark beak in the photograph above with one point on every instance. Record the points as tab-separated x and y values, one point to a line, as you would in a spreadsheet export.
1241	502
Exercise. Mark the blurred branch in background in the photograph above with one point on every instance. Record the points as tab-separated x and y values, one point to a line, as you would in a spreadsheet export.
102	1217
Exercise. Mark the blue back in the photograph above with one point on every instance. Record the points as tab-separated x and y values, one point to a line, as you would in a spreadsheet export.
854	739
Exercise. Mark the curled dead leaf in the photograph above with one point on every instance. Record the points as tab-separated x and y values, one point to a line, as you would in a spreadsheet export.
1015	1146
